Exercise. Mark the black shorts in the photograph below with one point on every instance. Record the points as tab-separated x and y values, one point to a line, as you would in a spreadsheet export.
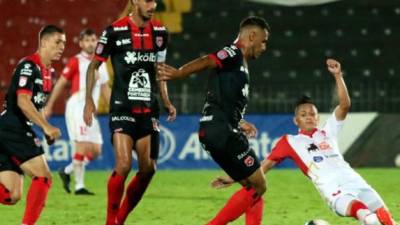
6	164
229	148
19	145
136	126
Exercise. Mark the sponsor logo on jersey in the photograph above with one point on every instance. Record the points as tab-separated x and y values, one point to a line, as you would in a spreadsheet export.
139	86
27	70
22	81
243	154
159	28
103	38
312	148
123	42
38	81
141	35
121	28
318	159
249	161
37	142
159	41
133	57
40	98
206	118
324	146
123	118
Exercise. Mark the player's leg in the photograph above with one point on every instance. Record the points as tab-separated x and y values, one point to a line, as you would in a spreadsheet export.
123	145
11	184
140	182
375	203
254	214
239	162
79	164
11	181
38	169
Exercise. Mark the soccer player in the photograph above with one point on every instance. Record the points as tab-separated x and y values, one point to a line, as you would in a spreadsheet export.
222	128
135	44
316	152
87	140
20	148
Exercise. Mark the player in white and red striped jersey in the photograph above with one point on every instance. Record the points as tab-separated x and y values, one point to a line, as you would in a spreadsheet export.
87	140
316	152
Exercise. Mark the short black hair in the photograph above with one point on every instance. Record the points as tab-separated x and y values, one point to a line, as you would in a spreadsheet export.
49	29
304	99
255	21
86	32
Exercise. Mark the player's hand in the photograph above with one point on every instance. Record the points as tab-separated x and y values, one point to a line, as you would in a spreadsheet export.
166	72
51	133
334	67
89	111
171	112
222	182
248	129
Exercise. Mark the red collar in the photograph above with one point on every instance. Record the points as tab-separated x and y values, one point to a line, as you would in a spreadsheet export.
308	133
36	59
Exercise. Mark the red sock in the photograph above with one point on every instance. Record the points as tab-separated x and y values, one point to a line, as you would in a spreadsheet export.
254	214
5	196
115	190
236	206
134	193
36	199
357	205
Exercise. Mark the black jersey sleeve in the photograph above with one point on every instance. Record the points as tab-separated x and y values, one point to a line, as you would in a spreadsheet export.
161	42
227	58
24	76
105	44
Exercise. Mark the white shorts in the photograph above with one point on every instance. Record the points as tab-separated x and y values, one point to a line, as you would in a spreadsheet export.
355	186
77	129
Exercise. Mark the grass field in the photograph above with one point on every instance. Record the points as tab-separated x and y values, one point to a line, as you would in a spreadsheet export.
185	198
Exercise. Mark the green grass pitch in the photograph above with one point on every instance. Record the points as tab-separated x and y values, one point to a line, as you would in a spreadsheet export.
178	197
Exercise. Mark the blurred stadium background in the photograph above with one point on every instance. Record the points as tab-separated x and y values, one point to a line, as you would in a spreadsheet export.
362	34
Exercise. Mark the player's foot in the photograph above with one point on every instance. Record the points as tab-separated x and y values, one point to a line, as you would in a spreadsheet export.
65	178
83	191
384	217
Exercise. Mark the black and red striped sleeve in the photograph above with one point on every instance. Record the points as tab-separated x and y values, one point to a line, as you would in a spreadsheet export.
25	74
105	44
227	58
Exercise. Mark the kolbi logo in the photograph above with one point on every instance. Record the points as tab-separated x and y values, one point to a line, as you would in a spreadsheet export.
133	57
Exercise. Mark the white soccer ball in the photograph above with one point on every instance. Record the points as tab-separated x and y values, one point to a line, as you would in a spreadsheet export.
317	222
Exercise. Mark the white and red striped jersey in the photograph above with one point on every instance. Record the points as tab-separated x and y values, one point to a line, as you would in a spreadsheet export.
75	72
317	154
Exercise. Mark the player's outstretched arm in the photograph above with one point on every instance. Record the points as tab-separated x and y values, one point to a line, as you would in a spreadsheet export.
343	108
55	93
167	72
90	107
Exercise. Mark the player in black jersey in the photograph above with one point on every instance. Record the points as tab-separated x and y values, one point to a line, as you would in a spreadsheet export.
135	44
222	128
20	148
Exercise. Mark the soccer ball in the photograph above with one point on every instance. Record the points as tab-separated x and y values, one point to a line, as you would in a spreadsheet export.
317	222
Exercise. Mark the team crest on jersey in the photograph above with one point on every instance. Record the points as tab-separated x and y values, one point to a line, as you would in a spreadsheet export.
22	81
318	159
99	48
159	41
222	54
312	148
249	161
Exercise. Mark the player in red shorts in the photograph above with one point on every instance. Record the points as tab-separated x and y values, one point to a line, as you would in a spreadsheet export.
316	152
20	149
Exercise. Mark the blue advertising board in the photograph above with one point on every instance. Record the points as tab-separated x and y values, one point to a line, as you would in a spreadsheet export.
179	144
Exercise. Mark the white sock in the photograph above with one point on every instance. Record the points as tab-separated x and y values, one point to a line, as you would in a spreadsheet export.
79	172
68	169
370	219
